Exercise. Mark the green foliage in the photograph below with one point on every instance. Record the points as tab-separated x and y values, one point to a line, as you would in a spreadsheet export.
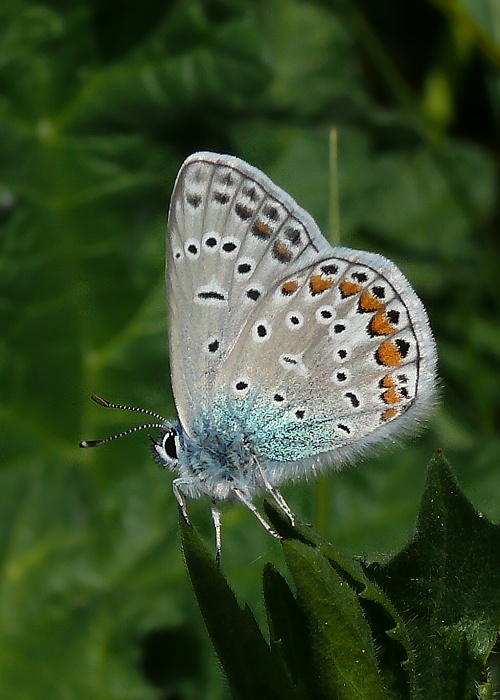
447	582
420	625
250	668
100	101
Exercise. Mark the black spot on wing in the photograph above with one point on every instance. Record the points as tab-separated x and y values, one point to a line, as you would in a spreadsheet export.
194	200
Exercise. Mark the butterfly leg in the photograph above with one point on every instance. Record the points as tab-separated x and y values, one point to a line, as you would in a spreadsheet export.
276	494
179	497
216	518
248	503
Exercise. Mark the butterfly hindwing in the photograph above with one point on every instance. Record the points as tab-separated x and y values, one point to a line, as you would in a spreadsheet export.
340	355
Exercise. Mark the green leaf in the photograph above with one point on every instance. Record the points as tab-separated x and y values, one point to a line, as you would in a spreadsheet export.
288	630
342	649
446	585
393	647
251	668
419	626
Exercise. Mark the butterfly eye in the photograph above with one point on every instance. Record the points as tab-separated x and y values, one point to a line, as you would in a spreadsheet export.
169	444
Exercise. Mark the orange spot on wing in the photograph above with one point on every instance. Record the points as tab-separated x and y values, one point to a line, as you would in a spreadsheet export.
391	396
289	287
389	414
261	229
388	354
282	252
319	284
380	324
368	302
388	382
348	288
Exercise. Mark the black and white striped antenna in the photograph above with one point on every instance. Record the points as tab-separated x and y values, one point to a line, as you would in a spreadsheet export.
110	404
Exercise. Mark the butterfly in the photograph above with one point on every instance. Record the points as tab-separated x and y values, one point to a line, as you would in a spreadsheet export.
288	355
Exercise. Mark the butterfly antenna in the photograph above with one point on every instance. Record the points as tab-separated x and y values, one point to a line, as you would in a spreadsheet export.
110	404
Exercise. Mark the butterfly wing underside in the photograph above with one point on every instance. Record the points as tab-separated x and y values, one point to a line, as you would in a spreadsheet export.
346	358
231	234
312	352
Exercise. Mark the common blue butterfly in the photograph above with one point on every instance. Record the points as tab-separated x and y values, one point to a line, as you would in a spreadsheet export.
288	356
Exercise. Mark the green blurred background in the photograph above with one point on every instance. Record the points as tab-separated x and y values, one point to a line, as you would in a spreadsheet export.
100	102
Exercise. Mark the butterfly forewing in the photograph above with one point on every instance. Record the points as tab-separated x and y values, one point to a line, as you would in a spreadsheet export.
232	233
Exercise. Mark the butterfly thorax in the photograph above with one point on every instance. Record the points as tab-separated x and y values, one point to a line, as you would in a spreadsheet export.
213	461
